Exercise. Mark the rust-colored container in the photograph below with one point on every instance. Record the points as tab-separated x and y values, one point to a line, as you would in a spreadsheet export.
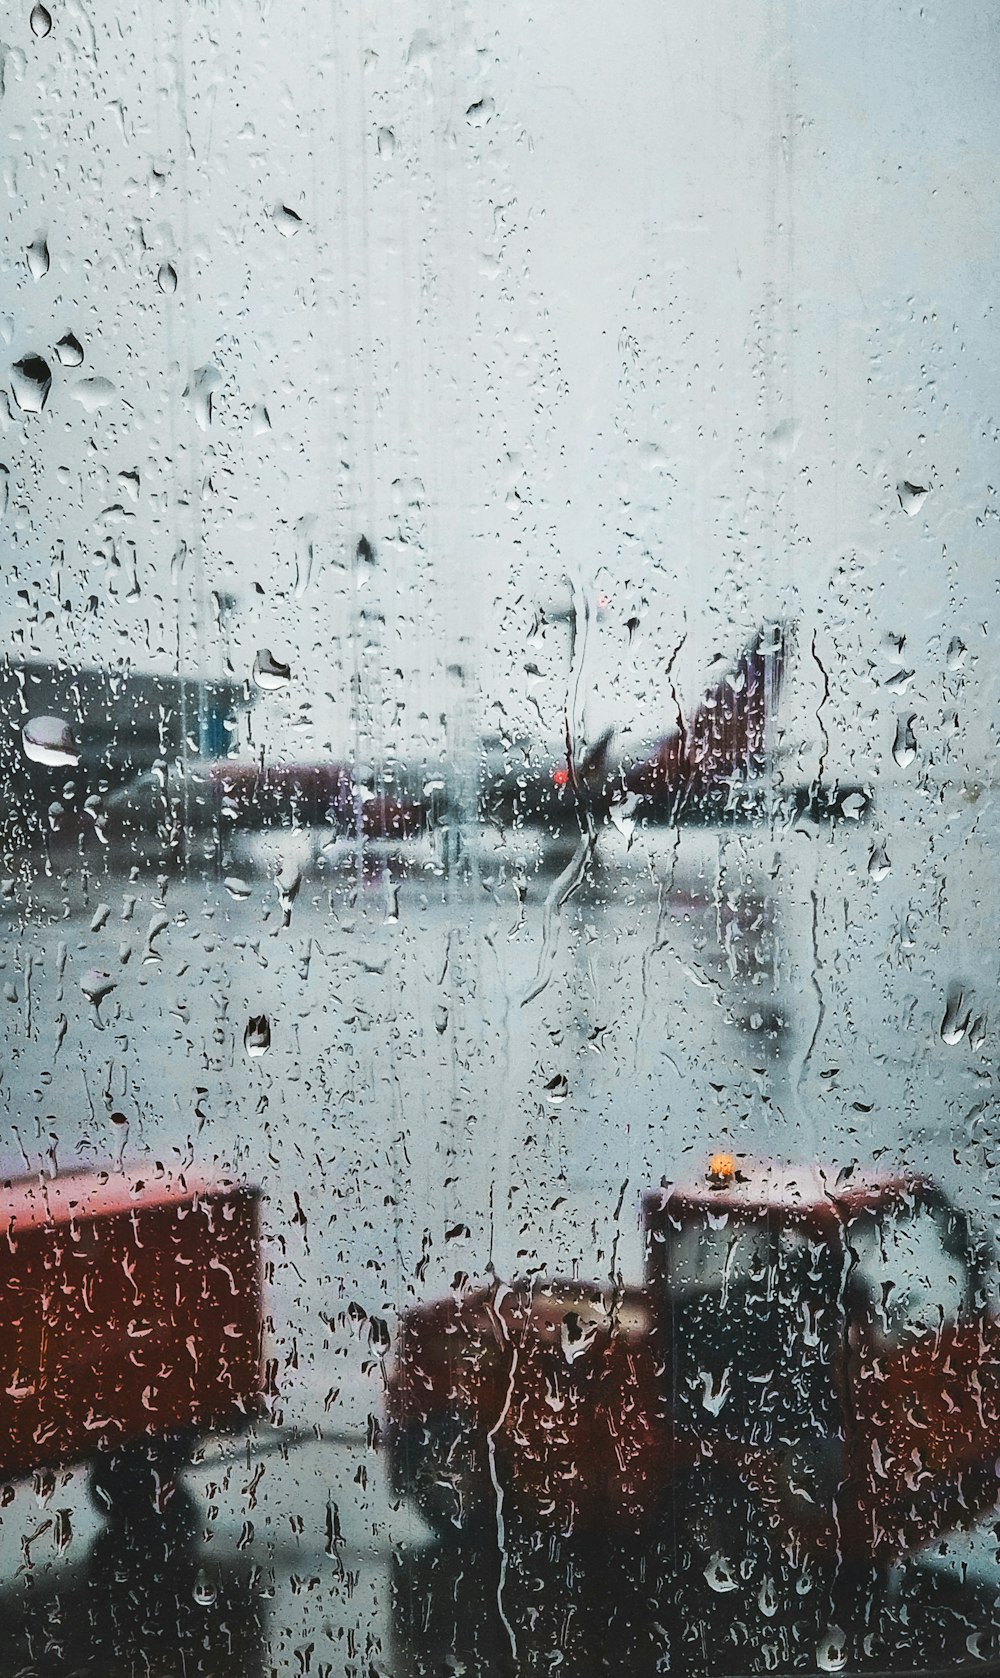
130	1306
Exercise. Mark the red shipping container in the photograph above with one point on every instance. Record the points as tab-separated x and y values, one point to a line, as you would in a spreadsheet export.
130	1306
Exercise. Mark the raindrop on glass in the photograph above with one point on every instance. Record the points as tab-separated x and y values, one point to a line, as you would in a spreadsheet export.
236	887
288	882
257	1037
957	1017
720	1575
93	393
854	805
911	496
96	983
31	380
386	142
904	747
269	672
37	257
956	653
40	20
69	350
899	681
831	1653
878	863
287	221
166	278
767	1598
204	1589
50	740
557	1089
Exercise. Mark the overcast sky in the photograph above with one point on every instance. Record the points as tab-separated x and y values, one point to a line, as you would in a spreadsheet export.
660	298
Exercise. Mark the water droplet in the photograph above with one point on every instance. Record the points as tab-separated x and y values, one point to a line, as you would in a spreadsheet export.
96	983
269	672
40	20
257	1037
904	747
50	740
100	916
557	1089
63	1535
158	924
287	221
304	552
386	142
878	863
831	1652
236	887
720	1574
37	257
288	883
956	653
957	1017
479	113
166	278
899	681
767	1598
204	380
261	420
93	393
69	350
854	806
31	380
911	496
204	1589
440	1019
577	1335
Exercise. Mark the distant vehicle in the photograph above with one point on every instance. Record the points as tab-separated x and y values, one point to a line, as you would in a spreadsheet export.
131	1323
165	819
714	766
811	1366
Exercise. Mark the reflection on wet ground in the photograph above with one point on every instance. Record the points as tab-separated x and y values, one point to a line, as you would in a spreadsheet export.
681	991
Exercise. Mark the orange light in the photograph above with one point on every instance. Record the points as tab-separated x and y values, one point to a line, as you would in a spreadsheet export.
722	1168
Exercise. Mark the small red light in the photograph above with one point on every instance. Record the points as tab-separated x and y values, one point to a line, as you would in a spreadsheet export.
560	777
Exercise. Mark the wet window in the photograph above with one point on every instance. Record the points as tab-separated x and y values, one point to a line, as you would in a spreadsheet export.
499	1133
911	1269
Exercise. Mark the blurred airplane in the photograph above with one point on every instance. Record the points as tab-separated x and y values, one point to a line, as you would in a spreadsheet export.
720	764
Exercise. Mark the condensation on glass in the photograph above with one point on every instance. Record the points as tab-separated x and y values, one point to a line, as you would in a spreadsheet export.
499	912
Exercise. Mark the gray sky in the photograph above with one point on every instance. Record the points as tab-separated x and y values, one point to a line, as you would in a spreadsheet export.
662	298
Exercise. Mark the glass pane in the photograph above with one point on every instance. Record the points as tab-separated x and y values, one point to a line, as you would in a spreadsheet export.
497	894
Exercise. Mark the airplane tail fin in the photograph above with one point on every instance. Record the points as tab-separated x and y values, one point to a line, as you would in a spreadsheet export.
726	739
728	735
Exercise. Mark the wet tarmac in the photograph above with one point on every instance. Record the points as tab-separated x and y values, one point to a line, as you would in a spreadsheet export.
470	1069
